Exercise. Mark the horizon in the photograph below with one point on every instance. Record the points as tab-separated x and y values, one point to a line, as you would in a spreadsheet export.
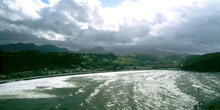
176	26
111	50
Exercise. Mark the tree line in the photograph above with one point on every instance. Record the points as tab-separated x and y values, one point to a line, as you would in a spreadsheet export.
33	60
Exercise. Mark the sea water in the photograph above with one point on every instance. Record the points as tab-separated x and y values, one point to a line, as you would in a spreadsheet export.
126	90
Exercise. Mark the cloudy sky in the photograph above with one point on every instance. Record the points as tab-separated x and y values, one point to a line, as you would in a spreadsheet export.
176	25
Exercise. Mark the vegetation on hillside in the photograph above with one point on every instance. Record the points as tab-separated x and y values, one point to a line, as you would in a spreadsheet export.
203	63
19	63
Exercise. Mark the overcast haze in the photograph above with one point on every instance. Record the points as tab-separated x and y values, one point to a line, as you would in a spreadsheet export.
176	25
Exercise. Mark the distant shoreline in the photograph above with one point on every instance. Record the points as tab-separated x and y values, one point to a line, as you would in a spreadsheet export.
46	76
76	73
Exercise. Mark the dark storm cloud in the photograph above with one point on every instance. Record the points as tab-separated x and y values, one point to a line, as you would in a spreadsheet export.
201	32
68	23
53	19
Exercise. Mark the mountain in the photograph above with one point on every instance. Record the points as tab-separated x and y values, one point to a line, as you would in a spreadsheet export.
96	50
158	52
203	63
31	46
127	51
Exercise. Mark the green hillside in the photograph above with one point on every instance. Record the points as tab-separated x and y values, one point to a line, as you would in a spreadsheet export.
16	64
203	63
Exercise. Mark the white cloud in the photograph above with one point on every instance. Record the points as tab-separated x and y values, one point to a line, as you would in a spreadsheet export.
51	35
53	2
141	10
27	7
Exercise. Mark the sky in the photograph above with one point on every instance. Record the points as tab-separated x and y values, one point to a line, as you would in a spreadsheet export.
188	26
45	1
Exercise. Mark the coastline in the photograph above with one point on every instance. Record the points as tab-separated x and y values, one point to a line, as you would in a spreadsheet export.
76	73
46	76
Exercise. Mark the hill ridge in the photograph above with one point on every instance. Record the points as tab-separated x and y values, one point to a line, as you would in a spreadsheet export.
32	46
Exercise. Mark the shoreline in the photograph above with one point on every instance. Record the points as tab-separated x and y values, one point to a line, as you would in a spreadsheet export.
47	76
67	74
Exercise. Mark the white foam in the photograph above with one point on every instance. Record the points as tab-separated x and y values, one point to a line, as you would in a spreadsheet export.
161	84
147	91
32	88
81	90
97	90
